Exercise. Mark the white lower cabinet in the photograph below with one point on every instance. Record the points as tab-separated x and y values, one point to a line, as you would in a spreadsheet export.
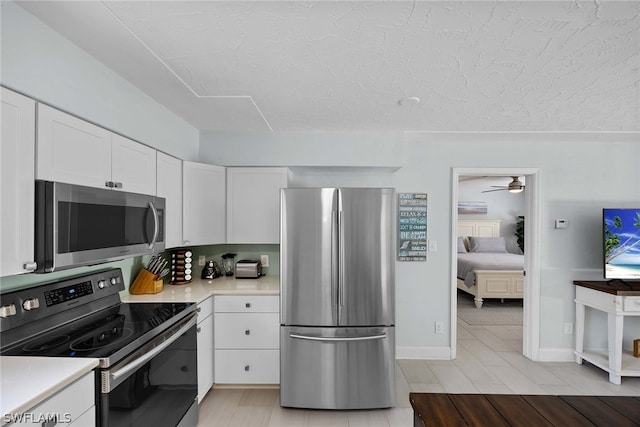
246	339
205	347
248	366
71	406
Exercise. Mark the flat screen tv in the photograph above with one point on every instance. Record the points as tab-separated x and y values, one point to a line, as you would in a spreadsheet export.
621	243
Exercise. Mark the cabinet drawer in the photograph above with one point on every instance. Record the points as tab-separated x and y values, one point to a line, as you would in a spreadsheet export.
205	309
242	330
631	304
68	405
247	366
247	303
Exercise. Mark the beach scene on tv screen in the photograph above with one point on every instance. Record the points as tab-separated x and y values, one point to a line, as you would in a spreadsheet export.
622	243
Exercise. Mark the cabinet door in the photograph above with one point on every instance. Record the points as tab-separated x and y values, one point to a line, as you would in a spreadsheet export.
169	186
17	171
71	150
247	366
203	196
247	330
253	204
205	356
133	165
66	406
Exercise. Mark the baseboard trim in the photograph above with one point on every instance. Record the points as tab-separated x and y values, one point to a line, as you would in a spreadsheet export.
556	355
437	353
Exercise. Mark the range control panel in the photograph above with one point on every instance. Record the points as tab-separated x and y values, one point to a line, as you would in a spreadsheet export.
26	305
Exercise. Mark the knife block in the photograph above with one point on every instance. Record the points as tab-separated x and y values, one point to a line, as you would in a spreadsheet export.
146	283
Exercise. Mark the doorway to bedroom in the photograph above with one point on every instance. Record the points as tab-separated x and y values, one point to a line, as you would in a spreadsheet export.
494	274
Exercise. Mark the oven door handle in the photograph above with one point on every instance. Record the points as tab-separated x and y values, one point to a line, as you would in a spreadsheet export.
111	379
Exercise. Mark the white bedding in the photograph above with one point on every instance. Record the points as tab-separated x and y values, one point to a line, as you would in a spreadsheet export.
469	262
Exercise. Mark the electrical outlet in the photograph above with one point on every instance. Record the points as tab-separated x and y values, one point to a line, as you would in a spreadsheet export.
568	328
439	327
264	260
201	260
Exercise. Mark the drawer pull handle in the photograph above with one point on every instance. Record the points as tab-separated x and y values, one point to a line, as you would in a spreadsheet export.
199	309
246	368
247	332
248	305
198	329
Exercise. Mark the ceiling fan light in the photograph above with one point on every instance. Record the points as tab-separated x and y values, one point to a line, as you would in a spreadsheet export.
515	186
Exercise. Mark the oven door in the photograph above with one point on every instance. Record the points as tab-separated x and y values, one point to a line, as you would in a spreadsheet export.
157	385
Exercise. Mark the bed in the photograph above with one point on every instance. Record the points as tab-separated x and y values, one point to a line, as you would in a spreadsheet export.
485	268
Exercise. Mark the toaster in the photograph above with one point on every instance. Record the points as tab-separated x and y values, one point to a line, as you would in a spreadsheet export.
248	268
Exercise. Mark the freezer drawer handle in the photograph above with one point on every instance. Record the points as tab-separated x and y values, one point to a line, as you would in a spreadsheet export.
334	339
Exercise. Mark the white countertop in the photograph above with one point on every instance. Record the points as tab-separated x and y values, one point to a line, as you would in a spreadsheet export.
27	381
199	290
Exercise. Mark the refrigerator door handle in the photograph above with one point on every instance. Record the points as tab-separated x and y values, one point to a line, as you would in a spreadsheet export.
339	339
341	281
335	261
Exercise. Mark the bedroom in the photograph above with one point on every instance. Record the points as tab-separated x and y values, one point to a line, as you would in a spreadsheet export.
483	201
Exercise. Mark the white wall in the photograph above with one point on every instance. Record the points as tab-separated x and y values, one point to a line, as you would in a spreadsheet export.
40	63
579	175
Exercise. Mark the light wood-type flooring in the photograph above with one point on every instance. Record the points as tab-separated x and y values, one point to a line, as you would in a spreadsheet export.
489	361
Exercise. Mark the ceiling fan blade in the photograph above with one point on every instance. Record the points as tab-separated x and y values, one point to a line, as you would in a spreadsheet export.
497	189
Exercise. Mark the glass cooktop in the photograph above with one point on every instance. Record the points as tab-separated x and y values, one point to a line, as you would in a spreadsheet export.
100	334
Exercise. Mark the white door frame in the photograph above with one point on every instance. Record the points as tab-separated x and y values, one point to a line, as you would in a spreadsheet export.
531	312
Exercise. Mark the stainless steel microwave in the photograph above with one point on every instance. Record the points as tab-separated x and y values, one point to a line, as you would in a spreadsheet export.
77	225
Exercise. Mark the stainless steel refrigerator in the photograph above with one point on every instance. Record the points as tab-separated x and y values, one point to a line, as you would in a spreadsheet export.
337	298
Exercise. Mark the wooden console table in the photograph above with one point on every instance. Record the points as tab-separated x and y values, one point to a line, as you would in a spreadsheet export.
617	299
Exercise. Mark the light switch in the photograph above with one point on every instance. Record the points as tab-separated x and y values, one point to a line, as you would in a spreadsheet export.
433	246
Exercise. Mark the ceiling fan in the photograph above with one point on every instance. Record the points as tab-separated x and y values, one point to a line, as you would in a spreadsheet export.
515	186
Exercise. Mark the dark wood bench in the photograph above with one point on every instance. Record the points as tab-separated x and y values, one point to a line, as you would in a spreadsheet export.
495	410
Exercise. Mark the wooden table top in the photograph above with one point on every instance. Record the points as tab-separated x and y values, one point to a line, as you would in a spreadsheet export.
495	410
616	287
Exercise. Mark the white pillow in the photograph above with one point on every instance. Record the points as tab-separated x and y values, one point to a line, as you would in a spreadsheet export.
487	244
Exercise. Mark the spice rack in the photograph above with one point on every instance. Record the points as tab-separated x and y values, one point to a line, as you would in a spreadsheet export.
181	263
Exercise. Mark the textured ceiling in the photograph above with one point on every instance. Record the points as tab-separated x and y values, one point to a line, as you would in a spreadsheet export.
343	66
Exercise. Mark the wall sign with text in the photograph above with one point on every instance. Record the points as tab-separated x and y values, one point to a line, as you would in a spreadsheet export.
412	227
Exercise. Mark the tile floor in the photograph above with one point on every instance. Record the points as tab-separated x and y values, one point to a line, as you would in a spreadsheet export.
489	361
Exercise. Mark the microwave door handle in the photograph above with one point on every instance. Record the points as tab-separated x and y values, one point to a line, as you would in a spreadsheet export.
156	225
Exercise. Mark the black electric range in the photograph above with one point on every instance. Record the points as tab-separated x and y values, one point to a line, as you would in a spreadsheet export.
147	373
81	317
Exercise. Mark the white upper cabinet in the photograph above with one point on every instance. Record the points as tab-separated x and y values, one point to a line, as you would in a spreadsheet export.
74	151
71	150
17	171
169	186
253	204
203	196
133	165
